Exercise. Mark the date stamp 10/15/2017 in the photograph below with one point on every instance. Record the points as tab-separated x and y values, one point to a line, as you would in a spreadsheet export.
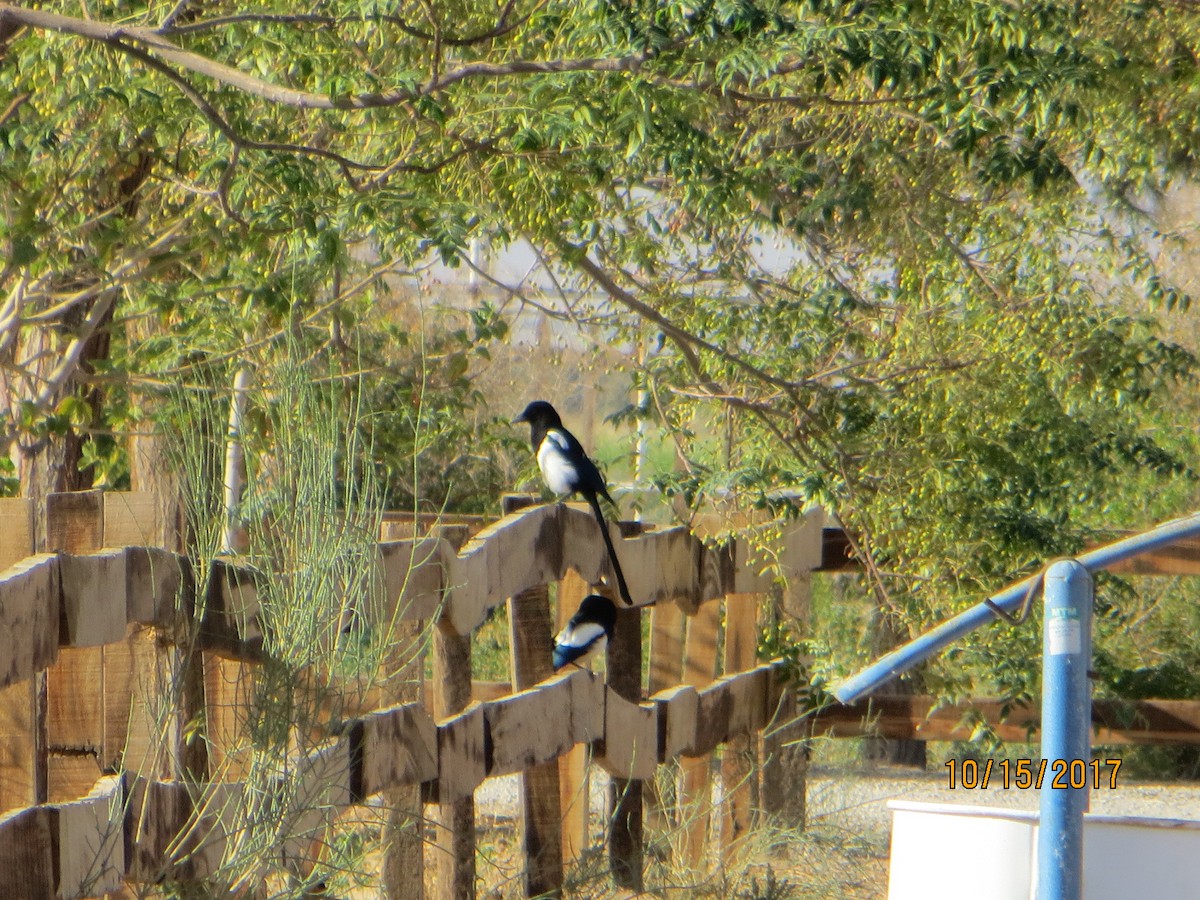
1027	774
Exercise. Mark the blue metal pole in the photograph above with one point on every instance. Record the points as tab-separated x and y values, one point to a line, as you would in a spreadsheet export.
916	651
1066	729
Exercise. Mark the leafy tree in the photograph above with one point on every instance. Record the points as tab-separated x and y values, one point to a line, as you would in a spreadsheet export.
950	343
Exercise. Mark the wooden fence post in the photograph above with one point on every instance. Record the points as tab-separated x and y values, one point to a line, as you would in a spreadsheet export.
668	625
455	819
738	763
785	740
404	842
624	665
22	705
695	794
531	642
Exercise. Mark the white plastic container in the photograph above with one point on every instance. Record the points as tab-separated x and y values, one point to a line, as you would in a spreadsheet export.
945	852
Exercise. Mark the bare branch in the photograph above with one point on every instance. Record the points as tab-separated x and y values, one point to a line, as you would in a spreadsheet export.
159	47
502	27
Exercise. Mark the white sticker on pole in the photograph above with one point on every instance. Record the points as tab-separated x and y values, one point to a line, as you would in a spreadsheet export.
1063	633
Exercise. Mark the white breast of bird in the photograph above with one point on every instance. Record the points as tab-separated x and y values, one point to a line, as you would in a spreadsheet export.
556	468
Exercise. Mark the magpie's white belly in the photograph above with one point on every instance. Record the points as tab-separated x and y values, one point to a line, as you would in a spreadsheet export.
556	469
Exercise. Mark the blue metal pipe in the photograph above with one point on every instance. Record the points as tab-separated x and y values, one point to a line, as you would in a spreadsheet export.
1066	729
1009	599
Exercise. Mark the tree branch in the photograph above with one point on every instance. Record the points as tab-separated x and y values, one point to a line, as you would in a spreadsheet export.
124	37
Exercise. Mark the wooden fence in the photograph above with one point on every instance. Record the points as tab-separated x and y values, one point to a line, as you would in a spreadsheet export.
104	792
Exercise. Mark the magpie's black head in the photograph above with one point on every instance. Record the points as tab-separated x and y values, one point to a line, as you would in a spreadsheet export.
600	610
539	412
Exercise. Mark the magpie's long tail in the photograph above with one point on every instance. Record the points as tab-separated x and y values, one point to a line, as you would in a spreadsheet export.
622	587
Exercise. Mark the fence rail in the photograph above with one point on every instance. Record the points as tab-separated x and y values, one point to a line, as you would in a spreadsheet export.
99	620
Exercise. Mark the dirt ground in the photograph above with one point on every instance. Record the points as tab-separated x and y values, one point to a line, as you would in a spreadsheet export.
843	853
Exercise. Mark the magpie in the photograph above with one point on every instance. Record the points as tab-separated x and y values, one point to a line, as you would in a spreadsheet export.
567	470
588	632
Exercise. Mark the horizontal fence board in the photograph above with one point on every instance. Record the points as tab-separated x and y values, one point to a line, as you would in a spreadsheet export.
396	746
29	617
94	598
27	840
677	717
1113	721
530	727
630	745
160	588
462	754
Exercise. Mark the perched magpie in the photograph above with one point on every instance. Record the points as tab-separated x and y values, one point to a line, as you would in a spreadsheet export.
587	633
567	470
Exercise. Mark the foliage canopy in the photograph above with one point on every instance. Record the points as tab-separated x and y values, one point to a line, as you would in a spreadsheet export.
903	254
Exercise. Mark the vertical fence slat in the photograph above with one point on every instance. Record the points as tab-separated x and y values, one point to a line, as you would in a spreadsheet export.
404	846
75	686
695	794
625	795
738	762
454	821
574	783
785	744
530	639
18	702
668	625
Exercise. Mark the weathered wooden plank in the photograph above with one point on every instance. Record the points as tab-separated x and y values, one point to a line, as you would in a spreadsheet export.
739	757
156	815
75	521
16	530
21	729
228	695
662	565
91	852
454	820
413	575
623	664
231	623
29	617
27	840
319	784
630	746
699	669
16	746
521	551
785	740
668	624
519	735
132	519
160	588
1113	721
394	746
530	727
178	831
94	587
583	549
75	687
145	699
462	755
677	719
587	723
71	774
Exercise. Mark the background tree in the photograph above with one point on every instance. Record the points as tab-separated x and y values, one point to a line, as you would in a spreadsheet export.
891	254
